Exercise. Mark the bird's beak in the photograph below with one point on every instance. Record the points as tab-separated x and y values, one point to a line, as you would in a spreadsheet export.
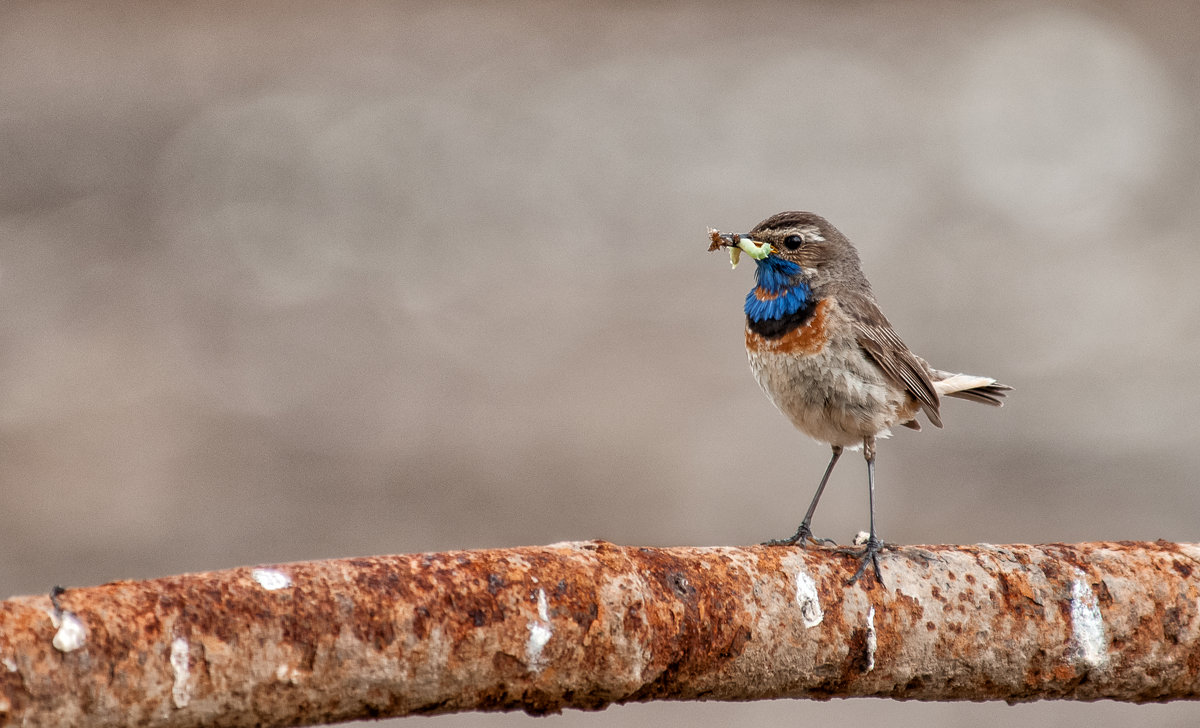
738	244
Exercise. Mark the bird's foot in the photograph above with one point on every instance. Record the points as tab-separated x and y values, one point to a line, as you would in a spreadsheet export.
869	556
802	536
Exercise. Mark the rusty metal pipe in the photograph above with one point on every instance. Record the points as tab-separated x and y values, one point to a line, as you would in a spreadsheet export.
585	625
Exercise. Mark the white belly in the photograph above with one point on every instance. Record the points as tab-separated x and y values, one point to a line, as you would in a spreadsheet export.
838	399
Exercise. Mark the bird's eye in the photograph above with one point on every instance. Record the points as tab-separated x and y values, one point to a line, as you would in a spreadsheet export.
793	242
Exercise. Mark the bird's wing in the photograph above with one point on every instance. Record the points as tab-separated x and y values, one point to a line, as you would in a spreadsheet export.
877	337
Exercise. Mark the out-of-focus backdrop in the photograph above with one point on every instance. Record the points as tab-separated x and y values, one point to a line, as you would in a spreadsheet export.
288	281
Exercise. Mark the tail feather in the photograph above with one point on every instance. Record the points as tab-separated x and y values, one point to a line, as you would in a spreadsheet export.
967	386
993	394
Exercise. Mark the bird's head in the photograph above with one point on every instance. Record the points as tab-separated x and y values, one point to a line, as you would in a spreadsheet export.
799	258
794	245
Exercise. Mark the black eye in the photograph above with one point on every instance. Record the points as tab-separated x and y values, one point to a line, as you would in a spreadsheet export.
793	242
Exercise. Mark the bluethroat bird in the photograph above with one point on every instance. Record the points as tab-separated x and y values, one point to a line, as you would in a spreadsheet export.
827	357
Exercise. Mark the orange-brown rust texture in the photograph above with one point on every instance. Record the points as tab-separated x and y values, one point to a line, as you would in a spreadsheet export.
584	625
803	340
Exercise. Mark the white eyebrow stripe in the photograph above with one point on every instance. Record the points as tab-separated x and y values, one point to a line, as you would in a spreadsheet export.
811	233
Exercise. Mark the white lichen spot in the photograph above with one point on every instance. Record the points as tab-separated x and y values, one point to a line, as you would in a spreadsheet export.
540	633
271	579
872	640
9	664
71	633
1087	625
808	599
287	674
181	690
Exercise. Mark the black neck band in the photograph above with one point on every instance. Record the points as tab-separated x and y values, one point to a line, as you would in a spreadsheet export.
774	328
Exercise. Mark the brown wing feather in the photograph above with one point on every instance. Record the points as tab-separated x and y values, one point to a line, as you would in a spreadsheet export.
876	336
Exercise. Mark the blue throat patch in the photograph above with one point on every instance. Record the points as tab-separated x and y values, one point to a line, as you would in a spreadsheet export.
777	277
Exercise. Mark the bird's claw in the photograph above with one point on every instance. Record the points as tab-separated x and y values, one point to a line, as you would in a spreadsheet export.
780	542
869	556
803	536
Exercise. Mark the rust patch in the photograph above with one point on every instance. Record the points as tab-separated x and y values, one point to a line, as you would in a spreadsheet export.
708	626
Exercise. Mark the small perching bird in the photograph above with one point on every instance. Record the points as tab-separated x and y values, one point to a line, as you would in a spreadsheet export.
827	357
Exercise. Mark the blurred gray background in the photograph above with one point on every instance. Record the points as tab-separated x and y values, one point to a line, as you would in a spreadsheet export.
287	281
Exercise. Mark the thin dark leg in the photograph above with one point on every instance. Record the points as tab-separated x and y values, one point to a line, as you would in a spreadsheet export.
870	555
804	533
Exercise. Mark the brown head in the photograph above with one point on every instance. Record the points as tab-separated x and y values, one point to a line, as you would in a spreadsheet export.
826	258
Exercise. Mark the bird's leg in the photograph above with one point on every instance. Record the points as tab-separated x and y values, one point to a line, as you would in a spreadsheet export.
804	534
870	554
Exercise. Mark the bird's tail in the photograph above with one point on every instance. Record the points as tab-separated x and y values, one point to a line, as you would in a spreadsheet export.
969	386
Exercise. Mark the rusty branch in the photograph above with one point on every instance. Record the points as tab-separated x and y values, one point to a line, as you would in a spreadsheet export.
584	625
